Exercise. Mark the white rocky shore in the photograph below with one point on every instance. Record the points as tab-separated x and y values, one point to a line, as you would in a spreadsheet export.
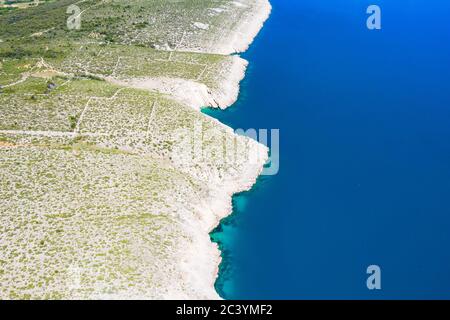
221	204
236	40
202	259
192	93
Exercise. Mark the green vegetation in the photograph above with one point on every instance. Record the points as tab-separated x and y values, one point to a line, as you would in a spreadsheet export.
97	198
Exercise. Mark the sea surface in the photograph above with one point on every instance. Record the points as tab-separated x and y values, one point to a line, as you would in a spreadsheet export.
364	119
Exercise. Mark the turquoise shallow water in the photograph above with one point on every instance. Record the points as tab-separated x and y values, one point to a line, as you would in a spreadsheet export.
364	119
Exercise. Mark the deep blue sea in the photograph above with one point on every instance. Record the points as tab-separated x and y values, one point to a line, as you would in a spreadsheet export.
364	119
